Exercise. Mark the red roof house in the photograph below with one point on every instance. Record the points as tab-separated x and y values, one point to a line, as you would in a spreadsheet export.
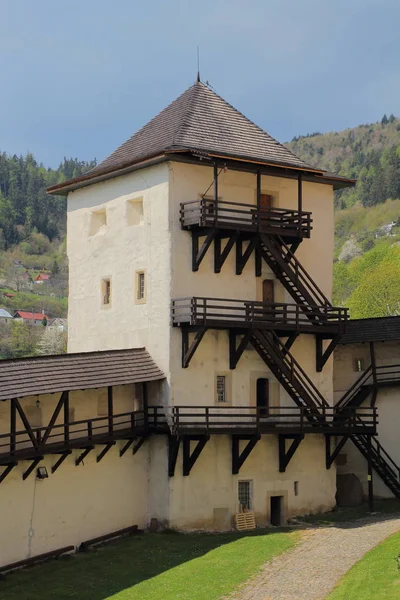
30	317
42	277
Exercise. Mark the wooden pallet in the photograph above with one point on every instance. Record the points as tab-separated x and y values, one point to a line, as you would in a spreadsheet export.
245	521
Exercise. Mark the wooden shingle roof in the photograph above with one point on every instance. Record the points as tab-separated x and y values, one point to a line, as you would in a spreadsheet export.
201	120
198	121
67	372
379	329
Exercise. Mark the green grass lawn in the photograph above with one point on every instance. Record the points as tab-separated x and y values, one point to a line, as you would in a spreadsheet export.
374	577
341	515
152	567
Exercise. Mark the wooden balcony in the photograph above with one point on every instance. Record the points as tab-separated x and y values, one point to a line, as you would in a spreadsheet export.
247	420
223	313
34	442
240	217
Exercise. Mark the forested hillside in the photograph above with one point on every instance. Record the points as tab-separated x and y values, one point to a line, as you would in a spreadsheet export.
33	265
367	233
367	243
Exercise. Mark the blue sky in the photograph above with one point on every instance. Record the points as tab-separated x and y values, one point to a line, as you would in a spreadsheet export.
79	77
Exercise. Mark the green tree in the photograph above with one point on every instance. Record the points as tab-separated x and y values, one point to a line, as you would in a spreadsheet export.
378	294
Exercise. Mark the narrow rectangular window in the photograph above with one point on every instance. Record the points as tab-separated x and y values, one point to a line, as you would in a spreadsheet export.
140	287
221	388
296	488
244	496
106	291
359	364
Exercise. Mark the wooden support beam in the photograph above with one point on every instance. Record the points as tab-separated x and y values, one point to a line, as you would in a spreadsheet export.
199	254
60	460
300	194
84	454
236	353
31	467
110	409
289	343
26	424
285	456
189	350
66	420
243	257
7	471
238	458
189	458
323	356
13	426
373	361
126	447
215	182
173	449
106	448
54	417
220	256
257	259
139	444
330	456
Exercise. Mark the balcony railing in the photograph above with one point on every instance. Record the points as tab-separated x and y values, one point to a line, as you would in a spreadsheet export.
247	419
226	313
35	442
25	443
245	217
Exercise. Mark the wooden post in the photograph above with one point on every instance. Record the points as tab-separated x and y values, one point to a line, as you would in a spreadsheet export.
215	182
373	361
258	190
13	421
370	478
66	419
145	405
110	406
300	198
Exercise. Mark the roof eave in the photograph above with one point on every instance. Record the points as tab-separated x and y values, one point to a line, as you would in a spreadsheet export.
62	189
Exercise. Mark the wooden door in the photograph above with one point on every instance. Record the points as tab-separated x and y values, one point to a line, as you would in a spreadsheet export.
262	400
268	291
266	201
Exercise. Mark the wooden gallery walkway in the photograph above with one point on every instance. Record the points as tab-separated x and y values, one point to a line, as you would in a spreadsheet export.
312	569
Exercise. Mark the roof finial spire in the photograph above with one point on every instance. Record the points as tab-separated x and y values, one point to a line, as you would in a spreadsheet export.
198	64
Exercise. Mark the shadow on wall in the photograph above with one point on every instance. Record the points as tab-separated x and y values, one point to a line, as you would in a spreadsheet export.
107	570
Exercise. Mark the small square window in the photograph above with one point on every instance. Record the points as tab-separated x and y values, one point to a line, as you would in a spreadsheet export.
140	287
106	292
98	221
221	388
244	496
134	211
359	364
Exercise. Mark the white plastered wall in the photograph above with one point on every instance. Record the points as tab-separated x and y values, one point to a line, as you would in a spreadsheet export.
211	484
117	251
76	503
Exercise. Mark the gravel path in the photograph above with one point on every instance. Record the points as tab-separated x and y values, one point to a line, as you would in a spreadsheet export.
314	566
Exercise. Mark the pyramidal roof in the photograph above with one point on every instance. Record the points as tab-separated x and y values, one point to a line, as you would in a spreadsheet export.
200	120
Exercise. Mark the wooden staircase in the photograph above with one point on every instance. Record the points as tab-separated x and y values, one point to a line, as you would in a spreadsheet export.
288	371
282	261
382	463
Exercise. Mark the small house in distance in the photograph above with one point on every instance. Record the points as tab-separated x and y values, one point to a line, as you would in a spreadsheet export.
33	318
41	278
5	316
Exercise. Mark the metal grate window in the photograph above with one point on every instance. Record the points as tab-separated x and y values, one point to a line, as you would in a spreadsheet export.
221	388
140	286
244	495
